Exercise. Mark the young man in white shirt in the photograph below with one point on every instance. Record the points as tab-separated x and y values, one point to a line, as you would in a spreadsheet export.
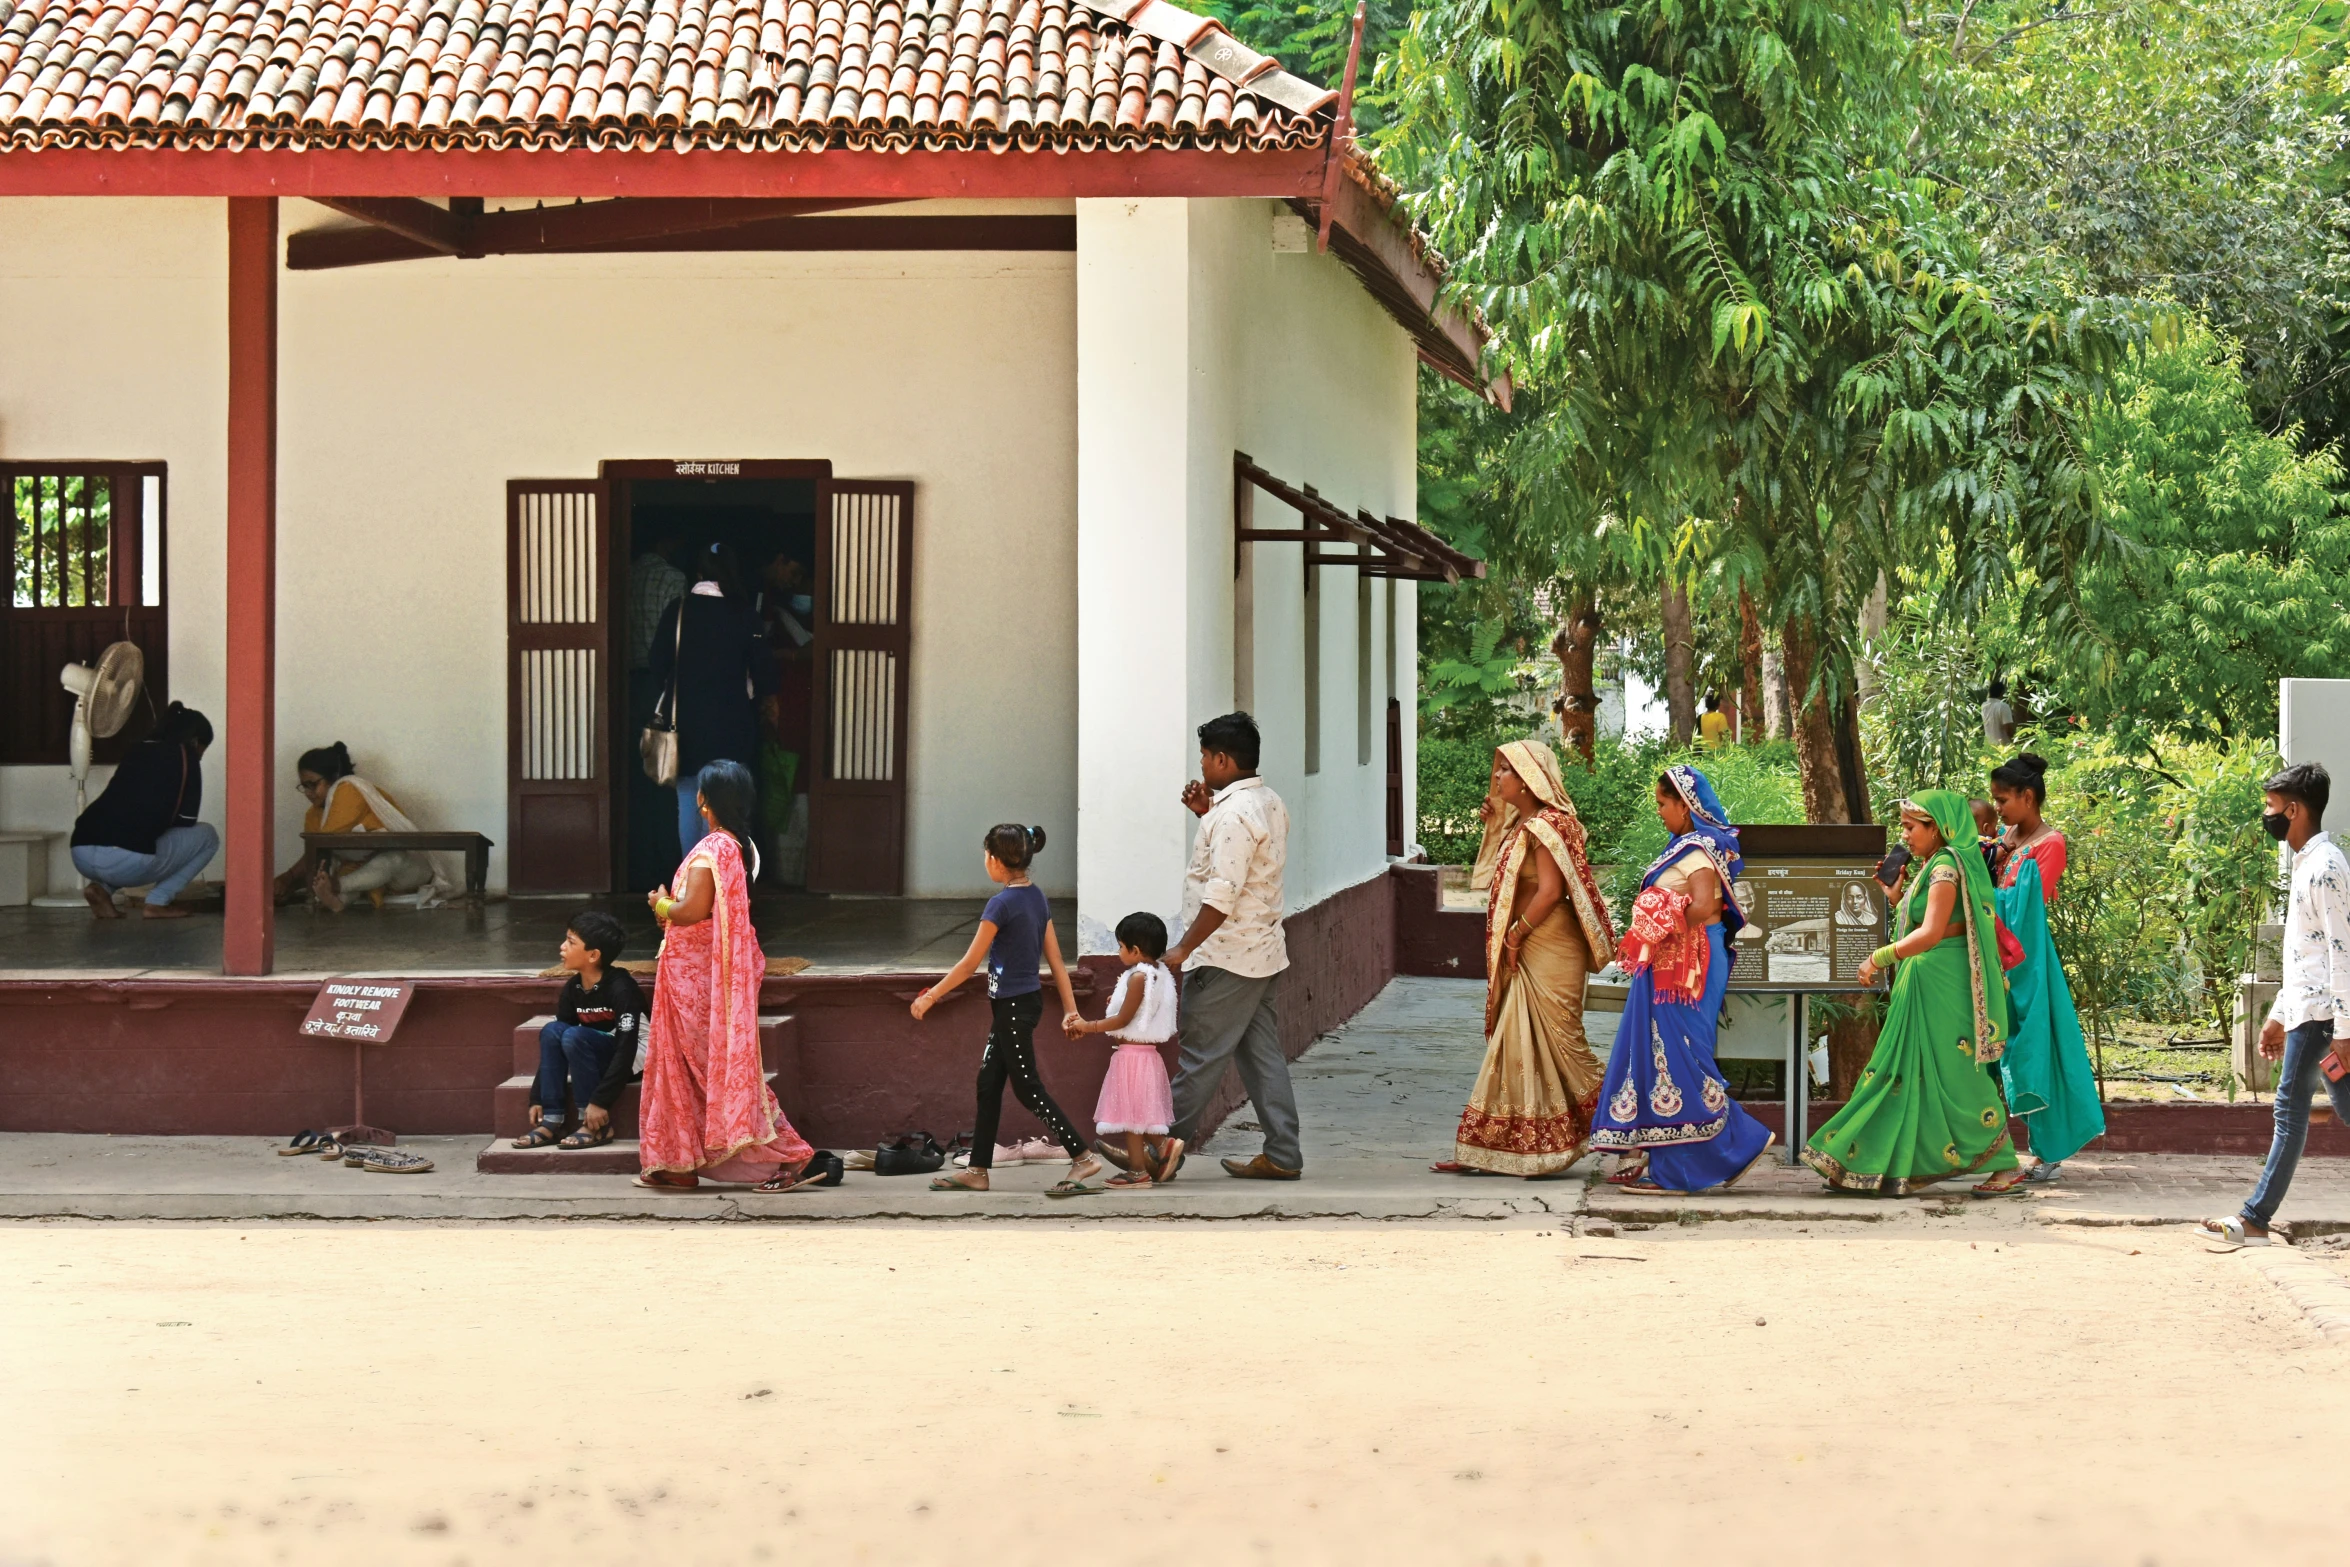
2308	1029
1232	951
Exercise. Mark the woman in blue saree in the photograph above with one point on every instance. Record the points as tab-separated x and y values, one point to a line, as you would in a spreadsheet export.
1663	1102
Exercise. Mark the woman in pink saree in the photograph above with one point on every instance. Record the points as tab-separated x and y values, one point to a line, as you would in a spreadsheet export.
707	1112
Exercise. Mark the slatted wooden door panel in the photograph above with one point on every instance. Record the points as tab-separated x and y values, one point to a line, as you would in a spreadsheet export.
864	639
559	685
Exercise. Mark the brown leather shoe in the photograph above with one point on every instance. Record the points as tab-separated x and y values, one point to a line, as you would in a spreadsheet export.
1259	1169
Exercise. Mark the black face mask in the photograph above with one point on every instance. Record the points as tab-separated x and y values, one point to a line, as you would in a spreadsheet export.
2276	824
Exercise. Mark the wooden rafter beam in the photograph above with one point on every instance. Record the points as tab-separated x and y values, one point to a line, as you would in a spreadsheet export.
1391	547
432	230
322	249
406	229
1376	244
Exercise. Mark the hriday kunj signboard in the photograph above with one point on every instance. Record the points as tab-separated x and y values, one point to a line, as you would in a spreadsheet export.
1814	908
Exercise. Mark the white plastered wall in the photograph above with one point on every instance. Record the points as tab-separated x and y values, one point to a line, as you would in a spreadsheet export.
1285	356
410	393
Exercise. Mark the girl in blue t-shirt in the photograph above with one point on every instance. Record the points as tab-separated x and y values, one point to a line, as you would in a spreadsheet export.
1015	930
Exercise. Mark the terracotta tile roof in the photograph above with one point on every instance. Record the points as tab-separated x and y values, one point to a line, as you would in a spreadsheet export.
774	75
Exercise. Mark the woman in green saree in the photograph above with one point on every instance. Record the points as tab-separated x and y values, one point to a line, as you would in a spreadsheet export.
1924	1109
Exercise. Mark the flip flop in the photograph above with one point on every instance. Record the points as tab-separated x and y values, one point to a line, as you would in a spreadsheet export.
804	1176
1074	1189
1993	1188
1628	1176
304	1142
1124	1180
1646	1187
2228	1234
681	1183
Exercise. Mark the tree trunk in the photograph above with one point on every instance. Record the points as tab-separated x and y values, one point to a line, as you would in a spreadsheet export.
1851	1041
1873	615
1851	761
1816	758
1774	678
1680	656
1576	647
1752	726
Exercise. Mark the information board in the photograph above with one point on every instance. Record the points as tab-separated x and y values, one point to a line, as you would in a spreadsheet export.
357	1009
1809	922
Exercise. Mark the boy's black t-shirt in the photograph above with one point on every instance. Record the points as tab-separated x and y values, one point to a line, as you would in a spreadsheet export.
613	1005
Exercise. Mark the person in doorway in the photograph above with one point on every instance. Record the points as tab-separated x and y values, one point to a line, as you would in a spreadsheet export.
1015	934
1665	1104
1546	929
1998	717
2308	1028
654	583
1713	729
710	649
2045	1071
1233	951
596	1041
1137	1102
142	830
707	1112
342	801
787	613
1924	1109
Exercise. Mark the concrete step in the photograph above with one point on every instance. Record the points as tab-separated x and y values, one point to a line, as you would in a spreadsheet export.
618	1157
510	1107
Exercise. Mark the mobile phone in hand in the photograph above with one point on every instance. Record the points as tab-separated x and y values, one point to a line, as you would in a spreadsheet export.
2331	1065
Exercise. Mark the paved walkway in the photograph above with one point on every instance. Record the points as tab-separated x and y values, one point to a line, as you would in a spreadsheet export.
1378	1097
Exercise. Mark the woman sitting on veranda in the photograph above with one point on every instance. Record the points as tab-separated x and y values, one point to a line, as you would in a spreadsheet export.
342	801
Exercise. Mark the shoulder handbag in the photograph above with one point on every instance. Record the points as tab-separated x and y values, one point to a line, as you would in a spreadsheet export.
658	744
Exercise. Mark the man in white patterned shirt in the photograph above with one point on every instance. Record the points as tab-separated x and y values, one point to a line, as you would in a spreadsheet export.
2308	1029
1232	951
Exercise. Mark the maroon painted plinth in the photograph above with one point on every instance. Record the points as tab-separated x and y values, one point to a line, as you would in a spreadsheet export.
1430	939
219	1056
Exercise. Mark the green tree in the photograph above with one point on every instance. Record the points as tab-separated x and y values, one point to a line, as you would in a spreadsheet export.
2189	149
1690	224
2237	559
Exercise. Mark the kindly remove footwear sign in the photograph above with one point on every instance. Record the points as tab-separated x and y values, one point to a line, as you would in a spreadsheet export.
366	1010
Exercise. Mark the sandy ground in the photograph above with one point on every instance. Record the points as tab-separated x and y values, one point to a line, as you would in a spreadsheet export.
1916	1391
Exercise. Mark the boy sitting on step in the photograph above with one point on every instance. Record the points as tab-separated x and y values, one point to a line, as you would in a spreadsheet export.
596	1042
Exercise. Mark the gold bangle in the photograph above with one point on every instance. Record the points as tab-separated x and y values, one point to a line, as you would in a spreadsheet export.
661	908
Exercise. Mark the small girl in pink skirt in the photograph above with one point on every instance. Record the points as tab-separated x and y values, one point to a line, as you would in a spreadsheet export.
1136	1101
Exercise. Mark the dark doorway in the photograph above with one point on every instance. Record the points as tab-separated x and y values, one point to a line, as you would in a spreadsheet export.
666	529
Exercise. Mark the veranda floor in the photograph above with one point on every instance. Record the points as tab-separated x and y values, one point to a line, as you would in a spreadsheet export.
509	936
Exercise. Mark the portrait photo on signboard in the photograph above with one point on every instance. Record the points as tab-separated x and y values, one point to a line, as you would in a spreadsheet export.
1750	899
1858	908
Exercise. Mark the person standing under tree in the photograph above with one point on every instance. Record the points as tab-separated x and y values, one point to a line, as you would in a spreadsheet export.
1232	953
2308	1029
1713	730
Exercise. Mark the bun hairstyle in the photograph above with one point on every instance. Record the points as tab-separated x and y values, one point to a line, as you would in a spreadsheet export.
181	725
1013	845
327	761
2025	774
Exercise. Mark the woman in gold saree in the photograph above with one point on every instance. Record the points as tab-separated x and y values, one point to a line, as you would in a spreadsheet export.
1546	927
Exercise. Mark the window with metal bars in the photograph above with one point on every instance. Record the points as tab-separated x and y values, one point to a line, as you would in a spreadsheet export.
84	569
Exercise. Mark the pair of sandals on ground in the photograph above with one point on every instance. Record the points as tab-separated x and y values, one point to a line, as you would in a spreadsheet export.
1158	1166
365	1156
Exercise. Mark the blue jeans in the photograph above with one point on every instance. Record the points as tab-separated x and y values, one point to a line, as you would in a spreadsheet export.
689	817
574	1051
180	852
2298	1075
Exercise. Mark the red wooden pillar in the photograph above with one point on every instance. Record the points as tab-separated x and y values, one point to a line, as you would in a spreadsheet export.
247	946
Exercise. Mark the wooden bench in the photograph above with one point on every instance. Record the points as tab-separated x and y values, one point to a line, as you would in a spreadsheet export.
472	845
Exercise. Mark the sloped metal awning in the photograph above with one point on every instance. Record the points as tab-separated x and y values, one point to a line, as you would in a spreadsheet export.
1381	546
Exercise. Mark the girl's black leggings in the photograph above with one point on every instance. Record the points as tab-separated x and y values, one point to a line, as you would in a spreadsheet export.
1011	1058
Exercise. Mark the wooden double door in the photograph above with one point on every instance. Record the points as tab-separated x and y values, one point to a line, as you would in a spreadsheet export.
568	724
